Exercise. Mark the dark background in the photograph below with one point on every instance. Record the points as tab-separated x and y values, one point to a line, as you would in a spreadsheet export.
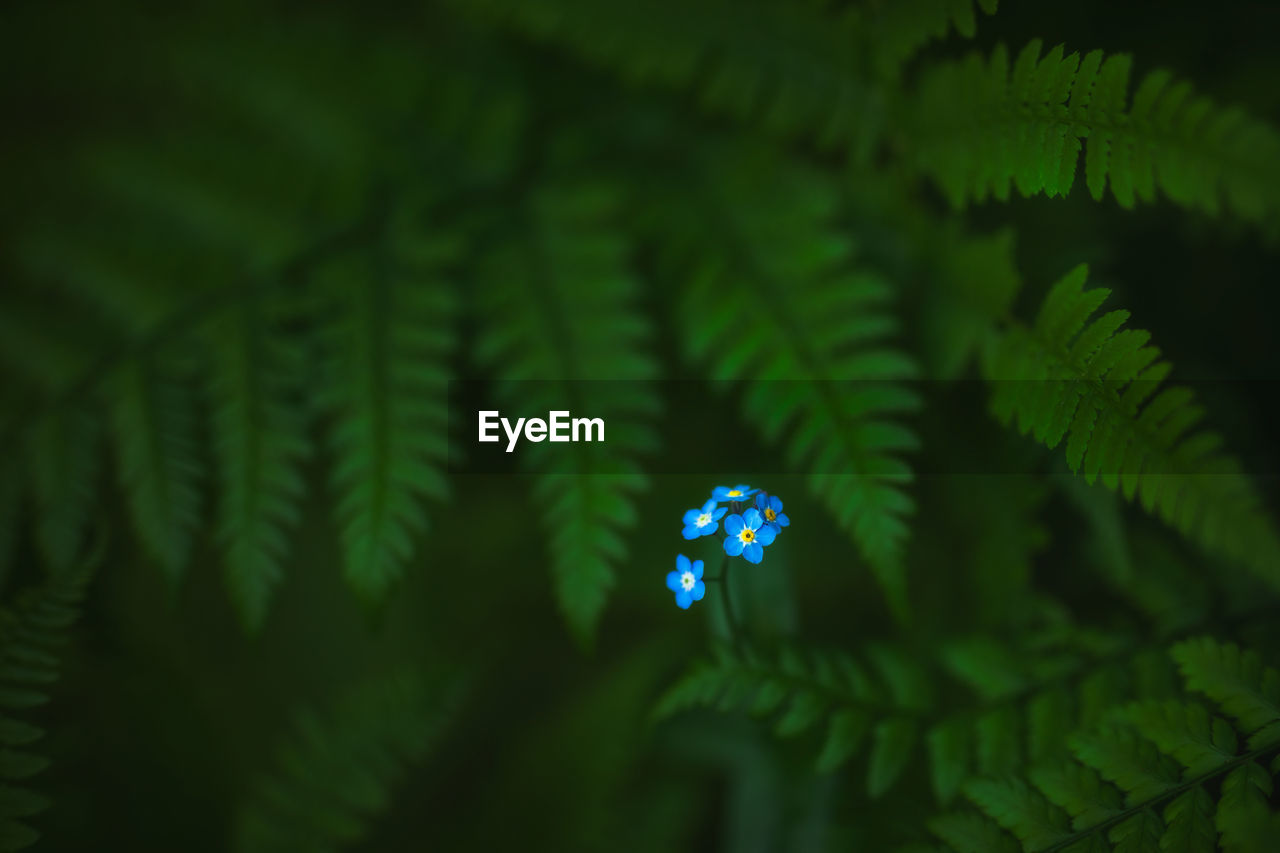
168	714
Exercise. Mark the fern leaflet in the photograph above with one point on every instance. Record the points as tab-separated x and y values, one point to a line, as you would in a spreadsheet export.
260	439
387	337
979	127
31	632
1099	387
154	420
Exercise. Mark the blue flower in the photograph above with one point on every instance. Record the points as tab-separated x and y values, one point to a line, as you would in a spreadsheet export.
736	493
770	507
703	522
686	582
747	536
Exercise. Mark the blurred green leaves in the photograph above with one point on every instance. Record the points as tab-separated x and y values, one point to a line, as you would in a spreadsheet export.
249	251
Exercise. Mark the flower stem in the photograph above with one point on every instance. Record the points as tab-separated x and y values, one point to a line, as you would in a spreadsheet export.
726	599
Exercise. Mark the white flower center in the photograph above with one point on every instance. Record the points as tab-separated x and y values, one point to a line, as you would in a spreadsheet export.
704	519
687	580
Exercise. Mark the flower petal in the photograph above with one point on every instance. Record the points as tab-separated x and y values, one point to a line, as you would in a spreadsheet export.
733	546
683	599
697	569
765	535
752	518
673	581
699	590
733	525
691	532
682	563
782	520
719	513
709	505
775	503
691	516
753	552
762	501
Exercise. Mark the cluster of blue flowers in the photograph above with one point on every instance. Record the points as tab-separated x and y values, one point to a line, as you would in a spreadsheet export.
746	534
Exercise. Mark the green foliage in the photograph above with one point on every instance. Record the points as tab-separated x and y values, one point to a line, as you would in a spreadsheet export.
777	301
33	629
1238	682
831	692
260	440
811	89
1167	758
251	262
388	338
63	458
154	421
980	127
1013	719
1098	386
335	770
562	328
896	31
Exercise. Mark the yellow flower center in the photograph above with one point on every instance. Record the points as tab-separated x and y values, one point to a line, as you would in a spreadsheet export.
734	493
747	534
770	515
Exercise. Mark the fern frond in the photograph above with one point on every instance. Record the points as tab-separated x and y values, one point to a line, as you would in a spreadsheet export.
818	691
1238	682
154	427
1014	723
63	456
895	31
337	768
1099	387
1134	766
1079	790
1021	809
967	832
32	632
387	336
563	334
1189	823
259	435
784	64
1186	731
797	68
1186	775
1244	796
777	302
979	127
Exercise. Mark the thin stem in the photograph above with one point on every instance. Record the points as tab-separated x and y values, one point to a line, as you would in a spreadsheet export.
726	600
